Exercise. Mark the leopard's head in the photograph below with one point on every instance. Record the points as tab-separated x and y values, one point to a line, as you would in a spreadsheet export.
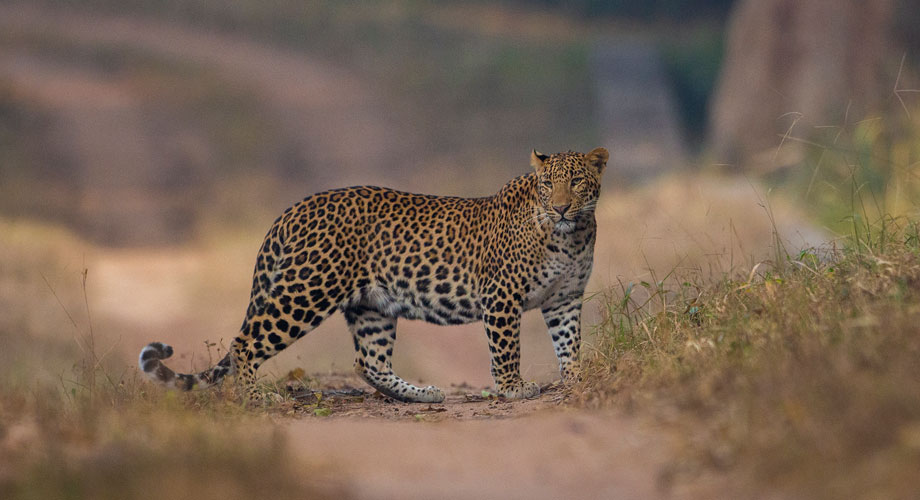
568	185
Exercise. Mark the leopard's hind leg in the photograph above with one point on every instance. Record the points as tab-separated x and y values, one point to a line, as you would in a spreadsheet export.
374	335
274	322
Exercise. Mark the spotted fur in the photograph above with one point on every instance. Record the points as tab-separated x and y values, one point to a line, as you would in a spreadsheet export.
377	255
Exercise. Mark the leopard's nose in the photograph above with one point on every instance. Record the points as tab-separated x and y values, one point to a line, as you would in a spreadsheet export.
561	210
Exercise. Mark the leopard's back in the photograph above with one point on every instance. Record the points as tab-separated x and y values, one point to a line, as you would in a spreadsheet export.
410	255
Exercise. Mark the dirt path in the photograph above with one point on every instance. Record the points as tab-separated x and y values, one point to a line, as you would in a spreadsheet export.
550	455
471	446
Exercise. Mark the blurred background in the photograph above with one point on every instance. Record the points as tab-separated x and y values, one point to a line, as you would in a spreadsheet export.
145	147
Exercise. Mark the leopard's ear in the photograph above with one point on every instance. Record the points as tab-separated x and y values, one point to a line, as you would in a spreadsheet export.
536	160
597	159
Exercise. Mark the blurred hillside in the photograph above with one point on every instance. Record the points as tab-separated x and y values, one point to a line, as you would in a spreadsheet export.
140	123
143	123
127	113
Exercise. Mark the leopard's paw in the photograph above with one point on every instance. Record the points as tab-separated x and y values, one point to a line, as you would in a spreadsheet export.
430	394
520	389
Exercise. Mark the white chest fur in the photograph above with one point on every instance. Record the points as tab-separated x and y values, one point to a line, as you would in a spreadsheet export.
565	273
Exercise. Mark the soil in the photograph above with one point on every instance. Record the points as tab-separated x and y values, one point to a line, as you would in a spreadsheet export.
347	396
473	445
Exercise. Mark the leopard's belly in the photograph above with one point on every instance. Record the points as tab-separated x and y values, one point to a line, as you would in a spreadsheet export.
395	302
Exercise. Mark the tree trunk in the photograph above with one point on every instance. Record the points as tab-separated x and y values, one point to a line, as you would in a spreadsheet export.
812	62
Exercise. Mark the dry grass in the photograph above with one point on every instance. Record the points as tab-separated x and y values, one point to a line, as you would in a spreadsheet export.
798	373
75	423
803	374
133	440
72	449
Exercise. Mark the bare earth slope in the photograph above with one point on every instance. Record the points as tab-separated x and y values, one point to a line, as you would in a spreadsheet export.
318	104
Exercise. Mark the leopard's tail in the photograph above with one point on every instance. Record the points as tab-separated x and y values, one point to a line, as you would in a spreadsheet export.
151	364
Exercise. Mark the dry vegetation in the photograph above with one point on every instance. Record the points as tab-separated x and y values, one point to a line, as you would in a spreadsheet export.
76	424
803	374
798	373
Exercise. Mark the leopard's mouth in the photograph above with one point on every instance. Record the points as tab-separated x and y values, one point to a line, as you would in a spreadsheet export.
564	225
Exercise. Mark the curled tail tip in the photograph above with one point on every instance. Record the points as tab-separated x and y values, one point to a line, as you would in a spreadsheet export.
152	354
150	363
164	350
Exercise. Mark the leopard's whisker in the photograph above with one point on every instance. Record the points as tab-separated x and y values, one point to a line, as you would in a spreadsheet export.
590	206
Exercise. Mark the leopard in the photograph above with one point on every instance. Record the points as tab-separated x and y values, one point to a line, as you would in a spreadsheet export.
377	255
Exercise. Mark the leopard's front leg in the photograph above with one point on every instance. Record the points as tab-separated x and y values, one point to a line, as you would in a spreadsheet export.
503	328
563	322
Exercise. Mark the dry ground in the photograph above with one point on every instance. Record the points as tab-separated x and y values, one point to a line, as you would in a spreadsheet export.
475	447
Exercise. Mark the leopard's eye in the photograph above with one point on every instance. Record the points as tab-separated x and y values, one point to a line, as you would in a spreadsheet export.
577	180
548	184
